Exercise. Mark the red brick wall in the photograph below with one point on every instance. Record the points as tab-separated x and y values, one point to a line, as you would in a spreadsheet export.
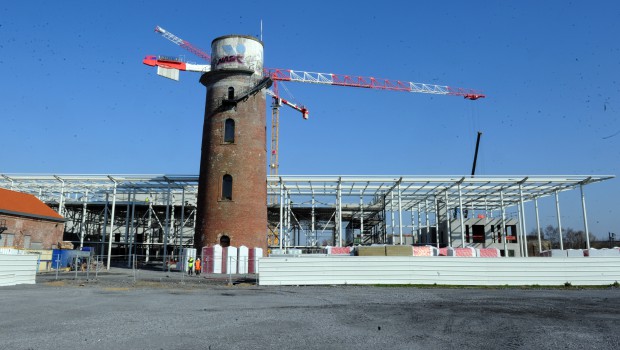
48	233
244	218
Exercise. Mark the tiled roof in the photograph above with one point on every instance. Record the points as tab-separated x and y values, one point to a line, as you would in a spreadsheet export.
17	203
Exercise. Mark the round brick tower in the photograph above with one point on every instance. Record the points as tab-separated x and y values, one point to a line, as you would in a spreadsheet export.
232	190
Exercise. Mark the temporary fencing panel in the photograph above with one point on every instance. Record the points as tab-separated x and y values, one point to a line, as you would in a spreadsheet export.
229	260
242	259
254	255
337	269
212	259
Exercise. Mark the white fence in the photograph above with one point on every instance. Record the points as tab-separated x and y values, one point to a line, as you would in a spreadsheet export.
17	269
308	270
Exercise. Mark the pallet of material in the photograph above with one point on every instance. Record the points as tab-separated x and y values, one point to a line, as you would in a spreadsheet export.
399	250
371	251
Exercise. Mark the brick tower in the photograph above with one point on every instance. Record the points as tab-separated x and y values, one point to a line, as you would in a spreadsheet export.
232	190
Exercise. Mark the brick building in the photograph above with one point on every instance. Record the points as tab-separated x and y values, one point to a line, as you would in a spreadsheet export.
28	223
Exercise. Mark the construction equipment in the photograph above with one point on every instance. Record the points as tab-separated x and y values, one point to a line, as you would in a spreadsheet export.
170	68
275	128
331	79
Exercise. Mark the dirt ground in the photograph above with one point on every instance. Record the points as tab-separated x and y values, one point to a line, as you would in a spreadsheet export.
166	310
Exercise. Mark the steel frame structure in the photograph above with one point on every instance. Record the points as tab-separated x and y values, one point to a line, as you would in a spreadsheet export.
307	204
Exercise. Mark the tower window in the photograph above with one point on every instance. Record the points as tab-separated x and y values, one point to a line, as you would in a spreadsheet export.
229	131
231	93
227	183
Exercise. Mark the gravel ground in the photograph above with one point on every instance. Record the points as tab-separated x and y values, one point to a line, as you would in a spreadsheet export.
162	310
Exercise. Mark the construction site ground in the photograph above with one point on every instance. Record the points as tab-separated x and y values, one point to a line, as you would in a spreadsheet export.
151	309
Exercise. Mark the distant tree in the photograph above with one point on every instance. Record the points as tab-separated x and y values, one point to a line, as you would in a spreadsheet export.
571	238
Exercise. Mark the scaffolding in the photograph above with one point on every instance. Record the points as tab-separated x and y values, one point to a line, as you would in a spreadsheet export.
154	215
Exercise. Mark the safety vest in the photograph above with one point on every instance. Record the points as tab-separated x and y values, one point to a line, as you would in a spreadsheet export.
190	262
197	264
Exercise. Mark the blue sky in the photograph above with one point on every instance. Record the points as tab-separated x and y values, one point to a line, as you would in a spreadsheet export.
77	99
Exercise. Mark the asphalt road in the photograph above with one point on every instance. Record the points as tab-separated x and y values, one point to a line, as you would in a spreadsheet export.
162	311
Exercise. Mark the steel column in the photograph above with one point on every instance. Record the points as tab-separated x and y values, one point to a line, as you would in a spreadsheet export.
502	230
132	247
361	218
523	233
538	226
82	228
101	249
167	228
392	219
182	220
400	215
339	208
461	216
557	211
281	213
427	223
585	216
312	229
149	232
419	223
111	225
448	224
436	222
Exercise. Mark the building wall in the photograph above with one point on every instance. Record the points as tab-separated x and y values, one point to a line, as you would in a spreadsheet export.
27	233
491	238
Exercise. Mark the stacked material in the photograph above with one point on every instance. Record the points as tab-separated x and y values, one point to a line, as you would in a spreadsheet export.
371	251
426	250
339	250
462	252
398	250
488	253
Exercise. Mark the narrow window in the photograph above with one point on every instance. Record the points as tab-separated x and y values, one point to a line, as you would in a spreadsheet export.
227	183
231	93
229	131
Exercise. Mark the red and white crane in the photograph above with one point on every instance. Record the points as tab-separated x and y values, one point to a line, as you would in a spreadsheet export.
169	67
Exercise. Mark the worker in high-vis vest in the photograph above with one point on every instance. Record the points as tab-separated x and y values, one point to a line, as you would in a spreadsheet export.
190	266
198	266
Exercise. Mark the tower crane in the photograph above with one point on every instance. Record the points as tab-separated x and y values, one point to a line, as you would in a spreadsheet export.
170	67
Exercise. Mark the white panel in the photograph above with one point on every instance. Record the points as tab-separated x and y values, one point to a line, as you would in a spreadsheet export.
229	265
438	270
17	269
242	259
